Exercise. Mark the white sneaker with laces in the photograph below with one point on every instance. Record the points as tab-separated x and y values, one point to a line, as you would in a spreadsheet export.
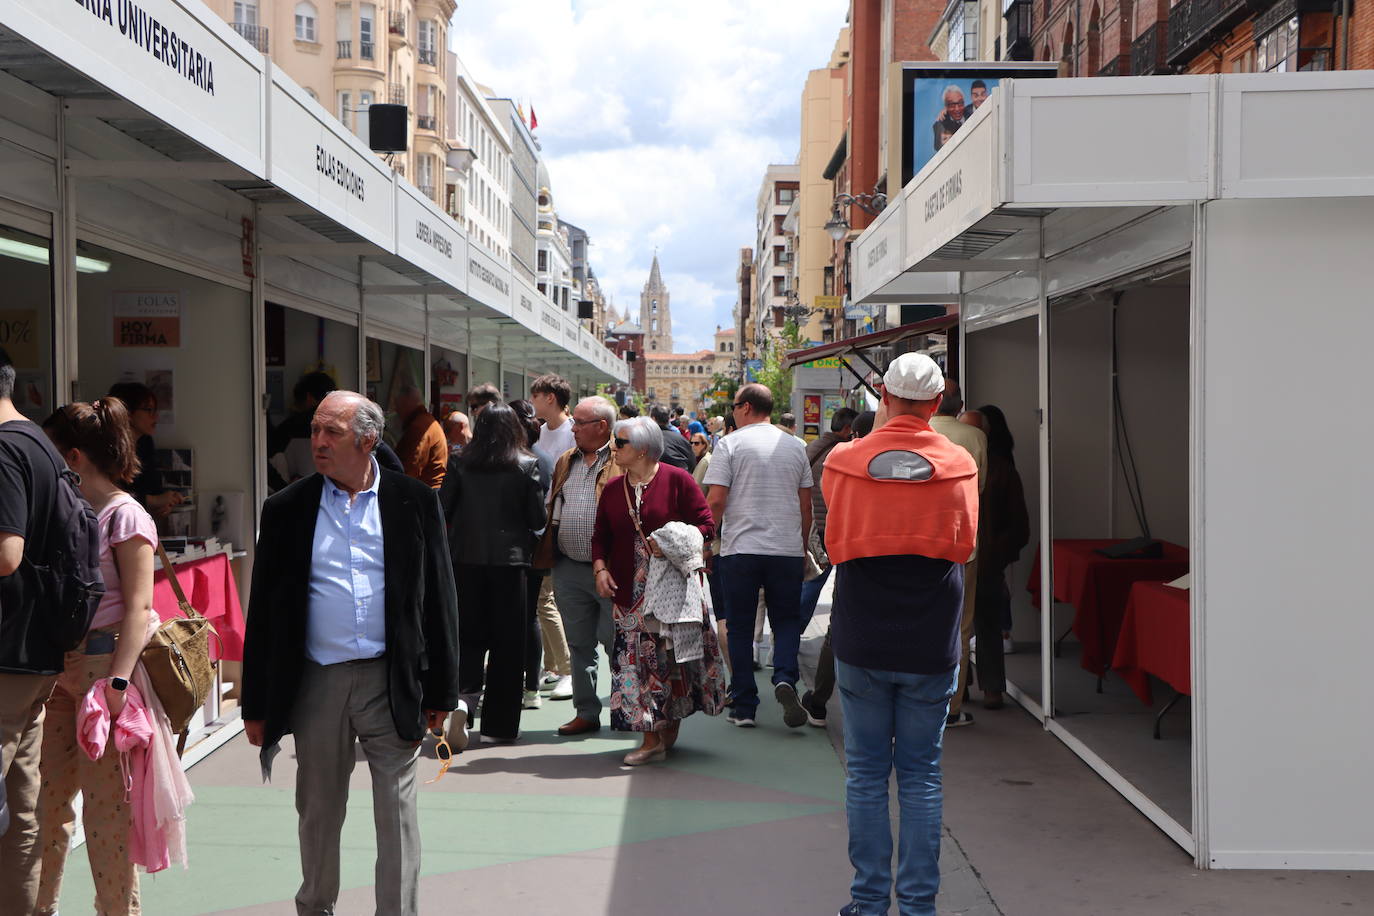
532	700
562	690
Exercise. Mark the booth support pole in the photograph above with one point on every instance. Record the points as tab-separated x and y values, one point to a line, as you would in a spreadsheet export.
1197	544
1111	418
428	357
362	330
65	366
468	362
1046	503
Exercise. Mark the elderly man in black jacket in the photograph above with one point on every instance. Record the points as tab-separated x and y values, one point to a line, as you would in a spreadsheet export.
677	451
352	636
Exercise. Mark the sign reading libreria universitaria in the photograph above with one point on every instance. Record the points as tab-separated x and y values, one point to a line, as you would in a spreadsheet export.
163	44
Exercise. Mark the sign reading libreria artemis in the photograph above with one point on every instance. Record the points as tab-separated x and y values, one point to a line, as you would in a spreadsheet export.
161	43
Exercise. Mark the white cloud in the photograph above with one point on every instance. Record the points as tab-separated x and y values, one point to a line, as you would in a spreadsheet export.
657	120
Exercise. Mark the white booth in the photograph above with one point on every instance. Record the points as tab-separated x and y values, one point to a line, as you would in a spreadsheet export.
1164	284
174	210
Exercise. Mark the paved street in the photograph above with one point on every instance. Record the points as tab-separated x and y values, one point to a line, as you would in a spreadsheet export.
736	822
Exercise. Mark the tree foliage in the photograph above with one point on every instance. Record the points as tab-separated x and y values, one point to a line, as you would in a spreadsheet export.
773	374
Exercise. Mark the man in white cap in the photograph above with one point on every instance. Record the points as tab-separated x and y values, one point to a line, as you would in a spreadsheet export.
903	519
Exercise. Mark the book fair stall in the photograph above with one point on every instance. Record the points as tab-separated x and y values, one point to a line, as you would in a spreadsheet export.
1131	260
177	213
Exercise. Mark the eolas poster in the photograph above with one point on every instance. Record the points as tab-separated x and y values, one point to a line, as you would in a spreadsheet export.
147	317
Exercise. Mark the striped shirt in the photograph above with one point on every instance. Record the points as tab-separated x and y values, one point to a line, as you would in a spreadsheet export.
577	513
764	468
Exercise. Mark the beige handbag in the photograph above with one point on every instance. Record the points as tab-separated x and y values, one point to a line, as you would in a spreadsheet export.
177	658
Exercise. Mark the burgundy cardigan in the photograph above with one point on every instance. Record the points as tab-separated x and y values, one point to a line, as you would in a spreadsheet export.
672	496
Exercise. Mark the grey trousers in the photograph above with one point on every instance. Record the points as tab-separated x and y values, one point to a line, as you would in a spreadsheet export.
336	705
586	622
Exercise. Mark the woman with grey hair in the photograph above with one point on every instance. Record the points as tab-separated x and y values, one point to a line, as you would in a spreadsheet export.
651	691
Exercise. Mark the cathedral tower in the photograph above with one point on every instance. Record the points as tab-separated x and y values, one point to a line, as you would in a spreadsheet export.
654	317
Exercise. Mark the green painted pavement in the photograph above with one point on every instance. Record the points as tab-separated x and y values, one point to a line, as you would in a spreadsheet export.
242	838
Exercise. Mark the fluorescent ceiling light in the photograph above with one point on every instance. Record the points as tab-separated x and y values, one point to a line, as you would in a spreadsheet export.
37	254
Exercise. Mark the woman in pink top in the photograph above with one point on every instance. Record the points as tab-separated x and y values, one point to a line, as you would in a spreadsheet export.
98	444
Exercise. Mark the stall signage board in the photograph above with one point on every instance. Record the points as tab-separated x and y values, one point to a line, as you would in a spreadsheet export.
319	162
184	67
427	238
551	322
146	318
959	188
569	334
526	302
877	255
488	281
19	337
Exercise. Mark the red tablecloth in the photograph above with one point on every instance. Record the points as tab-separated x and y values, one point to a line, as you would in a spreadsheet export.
1154	640
1098	586
209	586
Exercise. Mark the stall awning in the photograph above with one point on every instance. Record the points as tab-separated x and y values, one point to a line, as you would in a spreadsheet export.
851	346
1097	176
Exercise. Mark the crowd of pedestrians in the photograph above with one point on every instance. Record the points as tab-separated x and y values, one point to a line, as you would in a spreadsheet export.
480	567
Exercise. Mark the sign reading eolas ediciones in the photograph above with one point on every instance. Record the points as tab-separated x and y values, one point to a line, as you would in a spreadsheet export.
158	41
333	168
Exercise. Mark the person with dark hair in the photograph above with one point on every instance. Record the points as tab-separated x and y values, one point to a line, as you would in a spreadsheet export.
141	405
97	442
946	422
483	395
628	411
494	504
978	94
422	448
788	422
841	430
760	499
538	580
1003	531
352	640
30	658
677	451
288	445
863	423
550	394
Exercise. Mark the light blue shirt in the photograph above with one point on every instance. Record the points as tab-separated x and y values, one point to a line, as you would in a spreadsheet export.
347	614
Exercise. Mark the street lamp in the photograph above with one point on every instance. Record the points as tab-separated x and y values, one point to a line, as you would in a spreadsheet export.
872	203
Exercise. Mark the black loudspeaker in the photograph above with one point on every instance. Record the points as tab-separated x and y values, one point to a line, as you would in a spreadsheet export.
387	128
584	308
630	356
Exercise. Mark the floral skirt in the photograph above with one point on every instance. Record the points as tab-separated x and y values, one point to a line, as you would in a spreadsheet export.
649	688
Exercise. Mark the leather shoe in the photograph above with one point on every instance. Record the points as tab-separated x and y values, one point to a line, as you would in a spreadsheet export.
579	726
655	754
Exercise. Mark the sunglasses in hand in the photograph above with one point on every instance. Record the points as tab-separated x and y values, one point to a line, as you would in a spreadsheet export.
443	752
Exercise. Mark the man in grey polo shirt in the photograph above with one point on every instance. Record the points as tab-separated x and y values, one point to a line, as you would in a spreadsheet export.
760	498
579	476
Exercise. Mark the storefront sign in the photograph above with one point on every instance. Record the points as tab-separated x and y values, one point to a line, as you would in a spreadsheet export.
569	333
527	303
177	61
827	302
488	281
952	194
19	337
877	254
147	318
426	237
316	160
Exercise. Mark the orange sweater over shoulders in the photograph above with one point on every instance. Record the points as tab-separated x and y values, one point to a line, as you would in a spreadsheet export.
933	512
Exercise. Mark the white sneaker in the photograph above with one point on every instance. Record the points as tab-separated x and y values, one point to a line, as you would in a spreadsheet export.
458	735
1008	646
532	700
548	682
562	690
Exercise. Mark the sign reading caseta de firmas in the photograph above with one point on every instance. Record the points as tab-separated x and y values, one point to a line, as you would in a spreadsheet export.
162	43
944	195
333	168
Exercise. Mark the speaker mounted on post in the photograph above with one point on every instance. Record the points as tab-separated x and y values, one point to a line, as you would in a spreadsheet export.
387	128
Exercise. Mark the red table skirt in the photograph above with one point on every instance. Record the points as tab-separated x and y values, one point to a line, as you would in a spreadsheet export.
1155	639
1098	586
209	586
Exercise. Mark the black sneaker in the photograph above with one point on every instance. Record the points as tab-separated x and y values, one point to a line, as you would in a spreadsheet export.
851	909
815	712
793	715
741	719
958	719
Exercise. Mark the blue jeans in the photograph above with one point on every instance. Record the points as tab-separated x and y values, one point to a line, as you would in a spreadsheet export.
894	719
742	575
810	595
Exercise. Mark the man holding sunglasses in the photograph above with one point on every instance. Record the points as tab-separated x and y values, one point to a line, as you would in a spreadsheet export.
760	498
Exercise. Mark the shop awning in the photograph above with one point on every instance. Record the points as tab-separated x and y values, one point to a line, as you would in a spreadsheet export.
1099	176
855	346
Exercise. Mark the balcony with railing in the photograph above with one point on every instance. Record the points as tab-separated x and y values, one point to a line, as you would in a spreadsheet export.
343	50
427	190
426	122
367	50
429	56
1147	51
395	94
396	29
1195	24
1117	66
255	35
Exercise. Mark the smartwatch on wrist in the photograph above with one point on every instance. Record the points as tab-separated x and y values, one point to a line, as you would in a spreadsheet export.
119	683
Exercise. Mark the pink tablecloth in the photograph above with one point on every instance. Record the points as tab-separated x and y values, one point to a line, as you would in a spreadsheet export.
209	586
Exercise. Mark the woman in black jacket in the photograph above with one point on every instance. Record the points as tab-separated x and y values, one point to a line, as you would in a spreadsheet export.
493	503
534	580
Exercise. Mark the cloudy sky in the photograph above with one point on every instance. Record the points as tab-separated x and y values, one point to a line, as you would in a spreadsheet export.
657	118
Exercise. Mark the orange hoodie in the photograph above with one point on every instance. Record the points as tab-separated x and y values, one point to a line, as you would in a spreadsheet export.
902	489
